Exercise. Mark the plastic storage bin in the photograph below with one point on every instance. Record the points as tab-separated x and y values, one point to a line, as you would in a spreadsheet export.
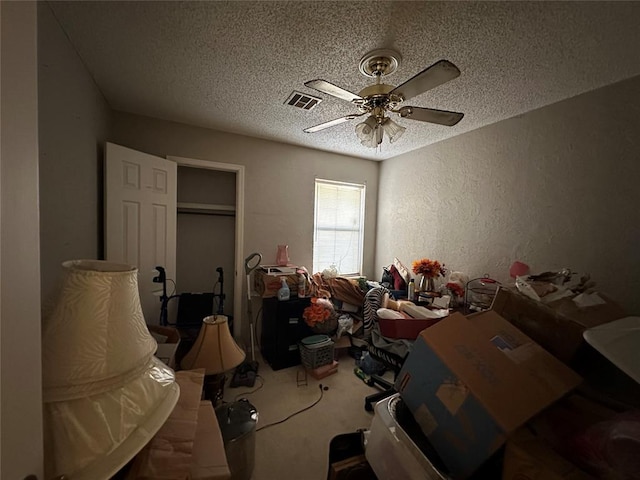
316	351
390	451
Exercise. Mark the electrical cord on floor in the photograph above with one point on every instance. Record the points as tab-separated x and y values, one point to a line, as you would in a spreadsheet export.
252	391
322	390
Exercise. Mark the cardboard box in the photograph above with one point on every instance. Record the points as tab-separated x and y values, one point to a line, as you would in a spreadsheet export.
545	447
558	326
323	371
169	454
528	457
168	339
355	467
209	461
469	382
267	282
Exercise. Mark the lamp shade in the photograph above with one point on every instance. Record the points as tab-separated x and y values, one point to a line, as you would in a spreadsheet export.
105	394
369	132
215	350
393	130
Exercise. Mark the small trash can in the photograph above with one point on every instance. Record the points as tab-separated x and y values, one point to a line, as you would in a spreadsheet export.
237	422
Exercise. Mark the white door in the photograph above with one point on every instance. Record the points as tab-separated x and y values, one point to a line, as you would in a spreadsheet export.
140	218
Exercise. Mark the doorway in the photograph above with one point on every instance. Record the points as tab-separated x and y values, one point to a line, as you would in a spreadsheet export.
210	231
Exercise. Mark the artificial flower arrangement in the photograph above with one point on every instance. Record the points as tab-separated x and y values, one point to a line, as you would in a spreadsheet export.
320	315
456	285
456	289
428	268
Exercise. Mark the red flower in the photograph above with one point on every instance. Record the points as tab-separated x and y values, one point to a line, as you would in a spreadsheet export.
456	289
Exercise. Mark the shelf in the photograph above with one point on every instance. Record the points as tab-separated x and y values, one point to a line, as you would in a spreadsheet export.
206	209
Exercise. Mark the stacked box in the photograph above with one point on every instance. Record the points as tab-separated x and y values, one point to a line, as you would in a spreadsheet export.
469	382
267	282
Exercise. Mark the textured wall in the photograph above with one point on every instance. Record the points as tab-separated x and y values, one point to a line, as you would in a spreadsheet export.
279	184
73	122
279	180
556	187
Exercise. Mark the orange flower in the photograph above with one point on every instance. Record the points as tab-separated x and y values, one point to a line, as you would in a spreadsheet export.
318	312
428	268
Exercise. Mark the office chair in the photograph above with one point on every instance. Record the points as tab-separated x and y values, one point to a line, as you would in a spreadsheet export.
394	363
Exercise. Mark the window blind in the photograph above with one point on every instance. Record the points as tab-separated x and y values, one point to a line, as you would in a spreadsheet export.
338	227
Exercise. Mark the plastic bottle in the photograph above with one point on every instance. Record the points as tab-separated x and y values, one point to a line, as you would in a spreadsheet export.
411	289
284	293
302	286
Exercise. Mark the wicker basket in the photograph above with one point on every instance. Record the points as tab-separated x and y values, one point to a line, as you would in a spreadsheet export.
314	356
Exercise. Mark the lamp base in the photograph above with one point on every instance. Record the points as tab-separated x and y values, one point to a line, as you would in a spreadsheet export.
245	375
213	388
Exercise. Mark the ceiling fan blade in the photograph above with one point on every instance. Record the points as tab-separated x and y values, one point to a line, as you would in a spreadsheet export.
332	123
331	89
431	115
437	74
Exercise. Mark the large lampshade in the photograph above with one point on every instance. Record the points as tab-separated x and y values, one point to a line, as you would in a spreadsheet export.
215	350
105	394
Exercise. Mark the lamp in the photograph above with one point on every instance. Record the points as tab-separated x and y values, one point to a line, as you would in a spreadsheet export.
216	351
105	394
392	129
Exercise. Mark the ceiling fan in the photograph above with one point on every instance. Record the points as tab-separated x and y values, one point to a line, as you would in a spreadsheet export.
379	99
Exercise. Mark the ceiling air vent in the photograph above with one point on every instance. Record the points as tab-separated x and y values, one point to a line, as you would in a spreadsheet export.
302	100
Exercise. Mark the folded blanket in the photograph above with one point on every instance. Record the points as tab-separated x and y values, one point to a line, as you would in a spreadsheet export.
340	288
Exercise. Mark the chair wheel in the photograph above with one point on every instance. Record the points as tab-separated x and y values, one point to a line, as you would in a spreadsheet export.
368	407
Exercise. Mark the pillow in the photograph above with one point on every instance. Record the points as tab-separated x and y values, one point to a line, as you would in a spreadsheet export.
404	271
398	281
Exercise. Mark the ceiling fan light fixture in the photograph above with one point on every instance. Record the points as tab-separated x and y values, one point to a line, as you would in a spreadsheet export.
380	99
365	130
370	132
393	130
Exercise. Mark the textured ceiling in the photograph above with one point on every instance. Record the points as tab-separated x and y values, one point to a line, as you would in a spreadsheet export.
231	65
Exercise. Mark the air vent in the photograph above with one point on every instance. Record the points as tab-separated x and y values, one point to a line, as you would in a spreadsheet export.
302	100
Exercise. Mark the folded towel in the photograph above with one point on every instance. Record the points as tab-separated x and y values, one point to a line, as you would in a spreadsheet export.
417	311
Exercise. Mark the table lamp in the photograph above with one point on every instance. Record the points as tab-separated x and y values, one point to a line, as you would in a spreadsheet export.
216	351
105	394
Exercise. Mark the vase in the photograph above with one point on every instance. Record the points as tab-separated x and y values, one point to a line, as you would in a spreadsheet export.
427	284
282	257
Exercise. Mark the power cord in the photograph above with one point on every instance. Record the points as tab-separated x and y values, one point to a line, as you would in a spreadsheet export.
174	286
252	391
322	390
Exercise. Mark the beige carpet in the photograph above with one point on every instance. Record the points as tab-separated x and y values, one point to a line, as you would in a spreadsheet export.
299	448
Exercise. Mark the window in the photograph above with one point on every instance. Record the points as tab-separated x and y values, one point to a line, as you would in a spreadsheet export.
338	232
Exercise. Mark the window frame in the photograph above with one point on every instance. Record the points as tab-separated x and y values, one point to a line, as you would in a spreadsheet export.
360	231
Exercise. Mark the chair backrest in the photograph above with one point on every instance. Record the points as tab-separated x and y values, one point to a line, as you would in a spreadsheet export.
389	359
192	308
